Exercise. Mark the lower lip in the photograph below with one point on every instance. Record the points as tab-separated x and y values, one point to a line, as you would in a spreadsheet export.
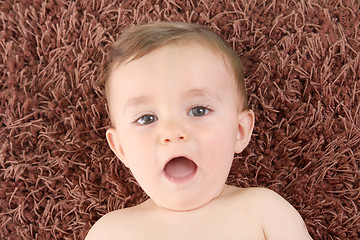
181	180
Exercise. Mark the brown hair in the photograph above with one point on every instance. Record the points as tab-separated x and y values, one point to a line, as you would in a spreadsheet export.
135	42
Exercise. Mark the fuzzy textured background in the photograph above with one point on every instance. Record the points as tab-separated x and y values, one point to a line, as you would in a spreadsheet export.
57	173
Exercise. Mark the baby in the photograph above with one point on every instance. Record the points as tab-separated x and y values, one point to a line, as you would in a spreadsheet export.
178	108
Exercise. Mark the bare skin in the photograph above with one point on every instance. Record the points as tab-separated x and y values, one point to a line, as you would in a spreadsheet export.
190	117
235	214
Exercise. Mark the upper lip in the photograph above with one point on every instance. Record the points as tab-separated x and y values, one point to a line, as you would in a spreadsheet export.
178	156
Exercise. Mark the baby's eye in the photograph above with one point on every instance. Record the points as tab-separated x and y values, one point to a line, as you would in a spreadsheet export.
199	111
146	119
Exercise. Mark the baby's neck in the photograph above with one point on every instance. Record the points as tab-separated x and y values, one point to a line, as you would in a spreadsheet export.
224	193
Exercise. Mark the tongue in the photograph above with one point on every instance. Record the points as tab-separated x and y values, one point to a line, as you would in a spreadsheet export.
180	167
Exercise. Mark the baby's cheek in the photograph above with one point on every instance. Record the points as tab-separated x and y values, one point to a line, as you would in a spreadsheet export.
220	146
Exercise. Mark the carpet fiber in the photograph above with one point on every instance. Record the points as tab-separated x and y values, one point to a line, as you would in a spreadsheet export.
302	67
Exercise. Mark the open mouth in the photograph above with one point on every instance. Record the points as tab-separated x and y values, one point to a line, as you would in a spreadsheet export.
180	168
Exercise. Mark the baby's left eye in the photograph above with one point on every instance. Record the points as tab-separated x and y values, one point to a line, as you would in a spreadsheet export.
199	111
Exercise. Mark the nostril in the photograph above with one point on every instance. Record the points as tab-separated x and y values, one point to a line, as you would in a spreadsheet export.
169	140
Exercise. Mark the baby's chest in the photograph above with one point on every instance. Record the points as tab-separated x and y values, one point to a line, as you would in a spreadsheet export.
216	228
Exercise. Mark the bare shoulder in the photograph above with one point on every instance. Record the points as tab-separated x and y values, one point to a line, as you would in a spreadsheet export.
106	226
114	224
279	219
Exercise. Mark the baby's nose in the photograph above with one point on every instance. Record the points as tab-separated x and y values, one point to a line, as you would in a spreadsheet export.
173	131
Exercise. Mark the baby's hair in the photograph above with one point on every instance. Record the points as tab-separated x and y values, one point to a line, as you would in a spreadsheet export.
137	41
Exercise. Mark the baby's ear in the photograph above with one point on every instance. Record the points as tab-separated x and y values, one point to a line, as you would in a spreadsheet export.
245	127
115	145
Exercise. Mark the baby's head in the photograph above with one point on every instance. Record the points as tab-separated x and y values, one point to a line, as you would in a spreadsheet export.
178	107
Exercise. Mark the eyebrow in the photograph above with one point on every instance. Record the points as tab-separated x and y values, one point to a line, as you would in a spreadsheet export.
135	101
201	93
193	93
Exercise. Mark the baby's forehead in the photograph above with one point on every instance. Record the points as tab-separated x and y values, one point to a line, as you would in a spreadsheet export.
190	60
198	43
220	56
173	54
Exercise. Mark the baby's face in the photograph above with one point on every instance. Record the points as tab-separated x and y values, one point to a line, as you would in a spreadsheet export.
176	114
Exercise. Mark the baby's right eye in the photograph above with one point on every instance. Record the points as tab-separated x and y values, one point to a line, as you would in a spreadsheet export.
146	119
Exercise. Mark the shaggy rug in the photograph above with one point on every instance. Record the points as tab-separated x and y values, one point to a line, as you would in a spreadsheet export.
302	67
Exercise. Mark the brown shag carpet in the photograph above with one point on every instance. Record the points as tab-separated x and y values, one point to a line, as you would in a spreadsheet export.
57	174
